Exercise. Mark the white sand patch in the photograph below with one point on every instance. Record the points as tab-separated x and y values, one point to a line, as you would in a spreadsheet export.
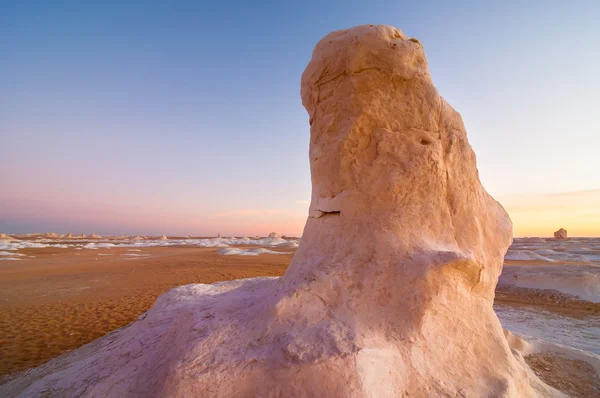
11	254
95	246
577	280
526	255
234	251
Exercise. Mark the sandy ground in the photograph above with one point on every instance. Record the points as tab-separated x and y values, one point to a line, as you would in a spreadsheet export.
65	298
573	377
551	300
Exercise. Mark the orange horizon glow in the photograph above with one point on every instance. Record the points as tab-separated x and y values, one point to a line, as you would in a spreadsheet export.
532	215
542	214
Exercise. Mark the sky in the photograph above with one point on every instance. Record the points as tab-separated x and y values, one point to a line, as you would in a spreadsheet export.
185	117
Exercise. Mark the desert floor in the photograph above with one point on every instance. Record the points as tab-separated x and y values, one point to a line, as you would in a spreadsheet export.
64	298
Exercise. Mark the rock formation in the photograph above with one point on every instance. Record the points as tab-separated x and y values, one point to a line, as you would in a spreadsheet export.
69	235
7	238
273	235
390	292
561	234
218	235
95	236
83	235
164	237
50	235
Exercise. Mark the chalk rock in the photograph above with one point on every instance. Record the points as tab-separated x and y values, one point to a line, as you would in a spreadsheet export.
82	235
95	236
561	234
273	235
390	292
50	235
69	235
218	235
7	238
164	237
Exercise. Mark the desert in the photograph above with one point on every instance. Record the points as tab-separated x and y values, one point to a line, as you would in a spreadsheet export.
59	296
338	311
282	199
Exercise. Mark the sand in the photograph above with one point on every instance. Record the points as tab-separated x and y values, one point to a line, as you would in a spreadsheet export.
551	300
573	377
65	298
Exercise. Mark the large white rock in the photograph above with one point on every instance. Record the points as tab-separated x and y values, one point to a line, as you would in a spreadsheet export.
390	292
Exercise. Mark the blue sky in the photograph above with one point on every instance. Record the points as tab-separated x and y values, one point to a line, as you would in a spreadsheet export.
185	117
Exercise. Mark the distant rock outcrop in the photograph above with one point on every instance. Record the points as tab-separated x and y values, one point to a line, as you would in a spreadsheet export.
390	292
95	236
69	235
7	238
50	235
273	235
561	234
164	237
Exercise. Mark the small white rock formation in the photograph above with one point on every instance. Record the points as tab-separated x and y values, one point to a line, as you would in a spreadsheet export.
218	235
164	237
390	292
7	238
69	235
50	235
560	234
95	236
273	235
83	235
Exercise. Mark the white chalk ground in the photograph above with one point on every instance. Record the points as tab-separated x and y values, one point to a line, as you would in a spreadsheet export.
581	281
139	242
576	280
539	324
232	251
3	253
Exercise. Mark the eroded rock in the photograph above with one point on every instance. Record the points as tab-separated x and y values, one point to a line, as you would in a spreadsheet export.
561	234
390	292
